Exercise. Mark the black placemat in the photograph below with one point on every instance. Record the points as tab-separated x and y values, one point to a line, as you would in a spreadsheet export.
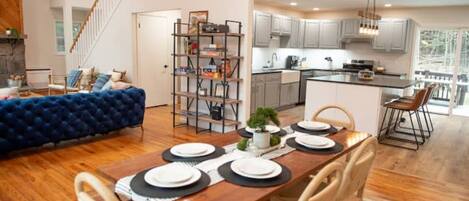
243	133
139	186
230	176
168	156
331	130
335	149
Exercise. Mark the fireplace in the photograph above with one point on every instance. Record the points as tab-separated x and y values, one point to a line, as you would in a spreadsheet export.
12	59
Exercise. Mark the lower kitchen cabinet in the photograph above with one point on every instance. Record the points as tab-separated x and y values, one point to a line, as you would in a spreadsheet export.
289	93
265	91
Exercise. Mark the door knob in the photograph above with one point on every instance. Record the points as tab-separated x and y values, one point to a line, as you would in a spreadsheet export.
165	66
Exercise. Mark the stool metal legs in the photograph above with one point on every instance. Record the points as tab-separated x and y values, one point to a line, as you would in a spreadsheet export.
393	125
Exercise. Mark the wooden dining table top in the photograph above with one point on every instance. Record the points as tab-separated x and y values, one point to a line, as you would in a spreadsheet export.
301	165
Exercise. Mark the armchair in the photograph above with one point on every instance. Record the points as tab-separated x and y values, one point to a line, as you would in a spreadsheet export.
71	82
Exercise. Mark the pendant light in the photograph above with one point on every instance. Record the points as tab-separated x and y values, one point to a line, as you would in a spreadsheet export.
369	19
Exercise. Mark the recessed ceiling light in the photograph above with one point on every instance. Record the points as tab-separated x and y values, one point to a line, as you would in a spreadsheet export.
293	4
315	9
387	5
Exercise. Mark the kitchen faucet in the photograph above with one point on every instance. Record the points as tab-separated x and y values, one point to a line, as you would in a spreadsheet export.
276	59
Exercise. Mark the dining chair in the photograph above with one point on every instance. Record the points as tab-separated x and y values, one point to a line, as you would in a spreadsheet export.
348	125
357	170
316	189
87	178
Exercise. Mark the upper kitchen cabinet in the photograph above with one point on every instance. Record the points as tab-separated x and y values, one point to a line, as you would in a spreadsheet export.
262	29
350	28
322	34
281	25
394	35
329	34
311	34
293	41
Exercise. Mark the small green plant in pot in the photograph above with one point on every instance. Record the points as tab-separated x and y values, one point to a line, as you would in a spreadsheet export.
258	121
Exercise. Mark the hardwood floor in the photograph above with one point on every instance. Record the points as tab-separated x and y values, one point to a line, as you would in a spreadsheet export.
439	169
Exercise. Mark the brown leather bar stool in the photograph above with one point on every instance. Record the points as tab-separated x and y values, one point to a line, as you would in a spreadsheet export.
424	109
402	107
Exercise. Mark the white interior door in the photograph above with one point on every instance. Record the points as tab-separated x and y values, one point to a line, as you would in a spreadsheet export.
153	59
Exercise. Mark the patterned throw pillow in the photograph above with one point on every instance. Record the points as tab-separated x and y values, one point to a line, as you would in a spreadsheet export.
108	85
117	75
100	82
73	77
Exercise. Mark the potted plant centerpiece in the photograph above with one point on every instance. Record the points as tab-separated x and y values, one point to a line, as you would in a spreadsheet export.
258	121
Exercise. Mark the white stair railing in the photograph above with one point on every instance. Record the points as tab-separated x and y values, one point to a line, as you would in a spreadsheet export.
97	19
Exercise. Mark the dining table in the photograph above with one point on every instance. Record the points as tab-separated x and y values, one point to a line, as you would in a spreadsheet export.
301	165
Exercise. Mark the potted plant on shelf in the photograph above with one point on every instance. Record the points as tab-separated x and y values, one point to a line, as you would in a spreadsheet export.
258	121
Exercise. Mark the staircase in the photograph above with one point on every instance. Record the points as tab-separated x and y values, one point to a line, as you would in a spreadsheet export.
95	23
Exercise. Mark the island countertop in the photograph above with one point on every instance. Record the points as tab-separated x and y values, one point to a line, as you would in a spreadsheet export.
378	81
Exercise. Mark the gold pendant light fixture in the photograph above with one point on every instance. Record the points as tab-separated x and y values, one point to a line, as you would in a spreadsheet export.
369	19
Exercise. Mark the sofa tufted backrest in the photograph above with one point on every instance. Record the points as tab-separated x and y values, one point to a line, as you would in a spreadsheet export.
37	121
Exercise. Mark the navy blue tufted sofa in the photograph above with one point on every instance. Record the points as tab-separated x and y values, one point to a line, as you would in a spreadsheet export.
36	121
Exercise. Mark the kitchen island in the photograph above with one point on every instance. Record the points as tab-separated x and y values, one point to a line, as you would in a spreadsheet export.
363	99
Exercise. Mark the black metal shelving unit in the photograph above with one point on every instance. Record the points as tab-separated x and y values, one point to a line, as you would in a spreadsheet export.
210	100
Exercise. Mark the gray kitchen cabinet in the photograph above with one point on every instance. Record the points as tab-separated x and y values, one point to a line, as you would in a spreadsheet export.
293	40
301	33
281	25
285	26
350	28
289	93
262	25
294	92
284	99
399	35
265	91
311	35
253	97
329	34
272	93
276	24
394	35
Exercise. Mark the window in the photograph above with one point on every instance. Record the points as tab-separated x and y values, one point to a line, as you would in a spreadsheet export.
59	34
437	50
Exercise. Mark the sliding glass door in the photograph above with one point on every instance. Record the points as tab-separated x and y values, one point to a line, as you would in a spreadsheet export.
443	59
436	60
461	100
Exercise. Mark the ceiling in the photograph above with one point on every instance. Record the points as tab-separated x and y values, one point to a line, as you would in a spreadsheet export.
327	5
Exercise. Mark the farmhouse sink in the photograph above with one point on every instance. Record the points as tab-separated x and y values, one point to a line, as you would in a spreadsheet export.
290	76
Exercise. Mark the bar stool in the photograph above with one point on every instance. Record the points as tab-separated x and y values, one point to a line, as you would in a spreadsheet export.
424	109
402	107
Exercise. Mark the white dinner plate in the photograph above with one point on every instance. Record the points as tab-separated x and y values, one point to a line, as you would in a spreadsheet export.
172	177
256	168
270	128
188	150
314	125
315	142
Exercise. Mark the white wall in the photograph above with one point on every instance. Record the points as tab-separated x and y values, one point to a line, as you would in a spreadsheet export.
116	46
39	24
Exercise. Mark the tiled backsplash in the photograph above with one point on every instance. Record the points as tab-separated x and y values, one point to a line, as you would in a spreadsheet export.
12	59
393	62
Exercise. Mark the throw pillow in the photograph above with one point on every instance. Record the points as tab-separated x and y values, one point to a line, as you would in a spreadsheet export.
100	82
117	75
73	77
120	85
107	86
